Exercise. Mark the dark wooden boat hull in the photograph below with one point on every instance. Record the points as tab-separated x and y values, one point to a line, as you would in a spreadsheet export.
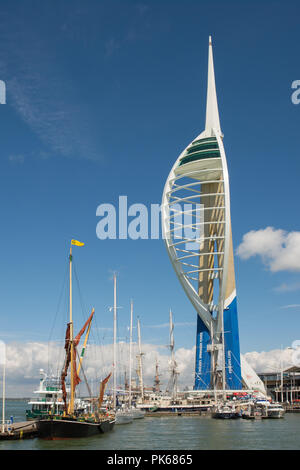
65	429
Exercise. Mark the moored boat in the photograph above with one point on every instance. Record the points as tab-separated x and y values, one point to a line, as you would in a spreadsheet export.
123	417
273	411
58	427
224	411
72	422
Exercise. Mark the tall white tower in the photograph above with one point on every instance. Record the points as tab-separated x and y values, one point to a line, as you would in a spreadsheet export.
197	231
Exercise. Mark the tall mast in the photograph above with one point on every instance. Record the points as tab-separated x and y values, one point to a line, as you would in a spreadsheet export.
130	352
173	362
156	379
115	343
140	357
71	406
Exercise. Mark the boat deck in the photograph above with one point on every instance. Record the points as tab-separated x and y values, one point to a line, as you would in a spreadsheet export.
22	430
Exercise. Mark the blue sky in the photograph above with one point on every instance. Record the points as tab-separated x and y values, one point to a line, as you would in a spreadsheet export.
102	96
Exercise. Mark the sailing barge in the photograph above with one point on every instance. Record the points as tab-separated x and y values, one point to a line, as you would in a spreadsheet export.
72	424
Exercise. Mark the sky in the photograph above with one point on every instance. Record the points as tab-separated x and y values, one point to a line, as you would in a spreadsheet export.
101	98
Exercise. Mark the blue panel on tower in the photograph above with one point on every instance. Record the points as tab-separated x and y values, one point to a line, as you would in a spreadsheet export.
232	348
203	357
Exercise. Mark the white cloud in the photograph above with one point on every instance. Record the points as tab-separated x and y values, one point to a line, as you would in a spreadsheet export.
24	360
278	249
270	361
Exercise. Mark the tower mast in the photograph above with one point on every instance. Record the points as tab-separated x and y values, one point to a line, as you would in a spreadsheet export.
212	121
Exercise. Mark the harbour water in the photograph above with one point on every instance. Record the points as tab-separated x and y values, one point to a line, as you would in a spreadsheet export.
174	433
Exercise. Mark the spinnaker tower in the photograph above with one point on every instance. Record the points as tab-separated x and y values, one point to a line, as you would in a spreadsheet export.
196	226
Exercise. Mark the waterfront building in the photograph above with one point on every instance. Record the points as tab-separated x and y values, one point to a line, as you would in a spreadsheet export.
283	386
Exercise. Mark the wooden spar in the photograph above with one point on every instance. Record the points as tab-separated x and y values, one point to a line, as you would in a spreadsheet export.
71	404
84	344
102	390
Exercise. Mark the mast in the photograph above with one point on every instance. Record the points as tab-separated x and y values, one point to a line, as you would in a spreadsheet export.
115	344
71	405
71	339
140	357
130	353
156	379
174	372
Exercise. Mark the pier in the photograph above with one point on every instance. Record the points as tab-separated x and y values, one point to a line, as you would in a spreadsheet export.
16	431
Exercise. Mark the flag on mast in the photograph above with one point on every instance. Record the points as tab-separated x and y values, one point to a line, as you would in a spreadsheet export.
77	243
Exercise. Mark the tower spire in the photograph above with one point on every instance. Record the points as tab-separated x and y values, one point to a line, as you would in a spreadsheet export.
212	112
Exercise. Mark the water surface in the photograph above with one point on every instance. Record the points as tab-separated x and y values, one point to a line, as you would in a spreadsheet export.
174	433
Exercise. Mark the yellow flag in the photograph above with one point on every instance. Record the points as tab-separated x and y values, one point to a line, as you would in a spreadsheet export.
77	243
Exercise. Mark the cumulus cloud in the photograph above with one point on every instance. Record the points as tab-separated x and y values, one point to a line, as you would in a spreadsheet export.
270	361
278	249
24	361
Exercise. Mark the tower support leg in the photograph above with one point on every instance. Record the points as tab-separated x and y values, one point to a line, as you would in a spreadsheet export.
203	357
232	348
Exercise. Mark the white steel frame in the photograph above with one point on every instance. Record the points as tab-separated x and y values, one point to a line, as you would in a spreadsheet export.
184	269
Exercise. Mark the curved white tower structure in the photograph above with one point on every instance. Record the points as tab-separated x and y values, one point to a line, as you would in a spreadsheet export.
196	227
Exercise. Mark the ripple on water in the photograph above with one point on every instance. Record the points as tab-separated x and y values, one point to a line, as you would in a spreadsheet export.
175	433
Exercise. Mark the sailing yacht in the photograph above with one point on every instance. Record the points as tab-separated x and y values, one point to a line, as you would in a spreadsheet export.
72	423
